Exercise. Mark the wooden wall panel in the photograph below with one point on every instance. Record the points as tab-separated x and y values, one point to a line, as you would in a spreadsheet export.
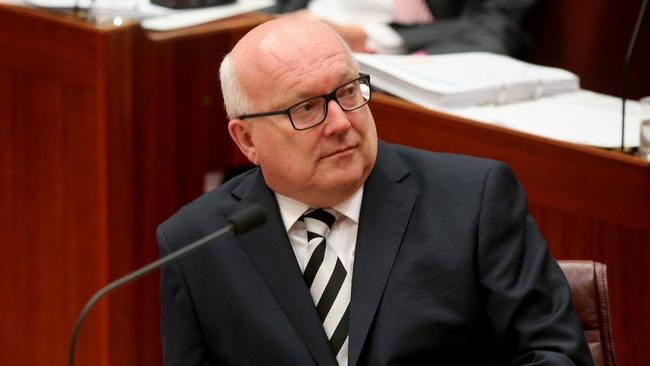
50	182
106	132
590	38
626	252
67	173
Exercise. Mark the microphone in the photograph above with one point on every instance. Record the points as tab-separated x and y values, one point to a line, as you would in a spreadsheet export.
626	63
238	223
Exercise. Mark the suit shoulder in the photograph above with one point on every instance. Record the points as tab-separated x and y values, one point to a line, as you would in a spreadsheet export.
419	159
207	212
451	175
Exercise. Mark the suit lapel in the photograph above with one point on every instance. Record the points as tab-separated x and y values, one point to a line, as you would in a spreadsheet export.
386	204
270	251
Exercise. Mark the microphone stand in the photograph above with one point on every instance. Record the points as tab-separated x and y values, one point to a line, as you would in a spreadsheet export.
238	223
626	63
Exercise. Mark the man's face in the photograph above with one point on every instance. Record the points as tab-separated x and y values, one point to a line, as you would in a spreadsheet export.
323	165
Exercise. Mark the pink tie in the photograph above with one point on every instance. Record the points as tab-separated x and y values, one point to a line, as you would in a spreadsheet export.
412	12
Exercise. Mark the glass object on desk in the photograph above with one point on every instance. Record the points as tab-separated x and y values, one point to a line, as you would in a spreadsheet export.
644	142
115	12
108	12
103	13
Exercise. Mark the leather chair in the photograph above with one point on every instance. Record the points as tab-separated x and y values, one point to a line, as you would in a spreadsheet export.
588	282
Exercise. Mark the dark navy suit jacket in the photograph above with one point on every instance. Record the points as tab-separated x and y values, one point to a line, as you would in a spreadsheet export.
449	269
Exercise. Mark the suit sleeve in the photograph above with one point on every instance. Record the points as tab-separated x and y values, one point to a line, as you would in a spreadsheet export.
182	340
527	298
487	25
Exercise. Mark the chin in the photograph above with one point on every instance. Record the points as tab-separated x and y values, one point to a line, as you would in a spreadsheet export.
345	180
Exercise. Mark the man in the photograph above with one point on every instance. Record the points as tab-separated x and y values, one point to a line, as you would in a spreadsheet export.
432	26
430	258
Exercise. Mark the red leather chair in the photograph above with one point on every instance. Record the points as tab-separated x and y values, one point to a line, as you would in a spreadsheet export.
588	282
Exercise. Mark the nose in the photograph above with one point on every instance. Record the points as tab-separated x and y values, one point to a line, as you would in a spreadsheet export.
337	120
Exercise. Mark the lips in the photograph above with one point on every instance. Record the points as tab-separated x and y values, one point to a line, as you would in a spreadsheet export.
339	151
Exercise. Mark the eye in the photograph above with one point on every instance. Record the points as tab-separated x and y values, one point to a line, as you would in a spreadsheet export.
307	111
348	91
307	107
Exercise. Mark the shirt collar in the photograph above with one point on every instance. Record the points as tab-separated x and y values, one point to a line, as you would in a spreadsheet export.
291	209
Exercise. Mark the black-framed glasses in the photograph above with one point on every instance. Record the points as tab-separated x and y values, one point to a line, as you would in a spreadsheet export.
313	111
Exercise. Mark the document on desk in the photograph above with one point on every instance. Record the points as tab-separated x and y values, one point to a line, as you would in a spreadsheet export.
464	79
154	17
581	117
174	19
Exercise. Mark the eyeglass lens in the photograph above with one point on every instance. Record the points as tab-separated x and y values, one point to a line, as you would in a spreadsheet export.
349	97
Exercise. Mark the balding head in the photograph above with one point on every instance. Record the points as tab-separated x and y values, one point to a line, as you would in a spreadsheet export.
294	63
268	53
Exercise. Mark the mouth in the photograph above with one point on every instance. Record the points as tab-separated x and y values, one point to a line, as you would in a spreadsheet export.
338	152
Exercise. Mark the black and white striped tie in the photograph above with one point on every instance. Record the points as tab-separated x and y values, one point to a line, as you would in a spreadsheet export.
328	281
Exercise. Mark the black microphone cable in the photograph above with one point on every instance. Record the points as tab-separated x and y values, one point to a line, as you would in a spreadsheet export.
626	63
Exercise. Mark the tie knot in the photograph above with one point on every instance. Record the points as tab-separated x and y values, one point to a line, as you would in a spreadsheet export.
319	221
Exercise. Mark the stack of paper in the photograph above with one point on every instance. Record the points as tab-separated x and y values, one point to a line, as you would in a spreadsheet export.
581	117
464	79
174	19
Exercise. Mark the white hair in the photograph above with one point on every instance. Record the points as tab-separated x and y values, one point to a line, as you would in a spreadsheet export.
235	98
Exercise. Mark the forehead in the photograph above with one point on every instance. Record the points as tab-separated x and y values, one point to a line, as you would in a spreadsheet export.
289	67
311	77
318	77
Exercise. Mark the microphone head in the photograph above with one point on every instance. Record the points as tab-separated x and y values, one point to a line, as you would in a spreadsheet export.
247	218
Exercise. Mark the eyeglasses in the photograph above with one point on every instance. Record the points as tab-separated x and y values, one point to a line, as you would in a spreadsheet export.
313	111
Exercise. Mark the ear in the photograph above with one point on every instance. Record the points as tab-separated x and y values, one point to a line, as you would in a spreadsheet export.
240	132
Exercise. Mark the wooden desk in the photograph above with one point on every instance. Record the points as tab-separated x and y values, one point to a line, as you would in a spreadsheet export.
588	203
105	133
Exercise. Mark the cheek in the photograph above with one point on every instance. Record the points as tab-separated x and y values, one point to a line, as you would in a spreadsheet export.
286	157
362	121
274	157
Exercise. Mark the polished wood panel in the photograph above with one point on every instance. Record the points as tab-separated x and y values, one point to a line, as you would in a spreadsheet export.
64	109
588	203
590	38
101	140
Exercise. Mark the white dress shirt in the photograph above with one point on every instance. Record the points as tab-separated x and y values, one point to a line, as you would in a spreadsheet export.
342	237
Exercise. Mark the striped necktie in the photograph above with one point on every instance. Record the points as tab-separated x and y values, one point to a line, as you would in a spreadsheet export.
328	281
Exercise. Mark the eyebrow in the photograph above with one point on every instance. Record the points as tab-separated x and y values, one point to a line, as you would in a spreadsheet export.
344	78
